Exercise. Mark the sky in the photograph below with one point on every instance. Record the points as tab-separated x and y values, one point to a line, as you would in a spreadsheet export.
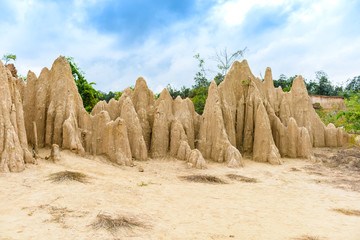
116	41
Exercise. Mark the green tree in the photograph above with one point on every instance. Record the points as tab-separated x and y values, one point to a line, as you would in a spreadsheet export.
284	82
353	84
9	57
108	96
89	95
200	89
324	86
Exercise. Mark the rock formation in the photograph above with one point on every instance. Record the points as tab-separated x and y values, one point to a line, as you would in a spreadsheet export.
243	116
12	69
14	151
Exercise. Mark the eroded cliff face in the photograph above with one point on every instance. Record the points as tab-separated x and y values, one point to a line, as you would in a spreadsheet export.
242	116
14	151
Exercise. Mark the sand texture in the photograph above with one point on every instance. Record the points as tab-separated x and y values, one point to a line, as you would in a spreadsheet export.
262	201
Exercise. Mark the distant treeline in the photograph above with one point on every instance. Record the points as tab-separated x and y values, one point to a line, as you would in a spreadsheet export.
197	93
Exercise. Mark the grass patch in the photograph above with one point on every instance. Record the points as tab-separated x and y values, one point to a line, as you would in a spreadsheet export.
203	179
68	176
242	178
349	212
114	223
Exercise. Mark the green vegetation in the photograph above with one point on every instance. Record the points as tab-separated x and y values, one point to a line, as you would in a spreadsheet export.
89	95
8	57
320	86
349	118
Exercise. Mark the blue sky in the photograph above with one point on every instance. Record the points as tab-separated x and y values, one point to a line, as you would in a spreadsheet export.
115	42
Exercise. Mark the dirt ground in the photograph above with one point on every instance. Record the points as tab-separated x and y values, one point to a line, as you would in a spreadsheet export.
296	200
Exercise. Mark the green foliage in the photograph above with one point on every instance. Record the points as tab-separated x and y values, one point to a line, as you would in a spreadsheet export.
353	84
8	57
219	78
320	86
284	82
23	77
349	118
330	117
352	113
108	96
324	86
89	95
200	89
199	99
184	92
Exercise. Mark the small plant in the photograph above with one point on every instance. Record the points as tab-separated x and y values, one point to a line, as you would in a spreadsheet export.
68	176
113	223
203	179
142	184
245	82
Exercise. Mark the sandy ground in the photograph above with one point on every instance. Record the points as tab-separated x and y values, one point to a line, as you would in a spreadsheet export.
290	201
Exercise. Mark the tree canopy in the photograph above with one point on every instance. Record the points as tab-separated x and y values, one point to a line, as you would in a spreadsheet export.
9	57
88	93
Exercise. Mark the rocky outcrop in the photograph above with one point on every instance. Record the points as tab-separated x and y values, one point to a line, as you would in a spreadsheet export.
55	153
243	116
54	104
12	69
14	151
264	146
213	142
196	159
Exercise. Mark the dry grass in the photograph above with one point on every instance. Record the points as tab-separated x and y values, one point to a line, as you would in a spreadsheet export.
58	214
114	223
68	176
203	179
307	237
242	178
349	212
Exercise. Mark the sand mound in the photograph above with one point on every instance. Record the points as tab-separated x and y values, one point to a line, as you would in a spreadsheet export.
242	116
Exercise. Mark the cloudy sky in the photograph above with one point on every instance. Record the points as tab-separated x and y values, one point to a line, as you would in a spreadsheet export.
116	41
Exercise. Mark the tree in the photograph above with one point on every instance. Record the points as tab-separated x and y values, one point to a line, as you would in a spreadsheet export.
324	85
89	95
311	86
284	82
200	89
353	84
108	96
9	57
224	62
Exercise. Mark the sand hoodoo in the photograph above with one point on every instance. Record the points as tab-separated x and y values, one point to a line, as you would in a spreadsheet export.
14	151
243	116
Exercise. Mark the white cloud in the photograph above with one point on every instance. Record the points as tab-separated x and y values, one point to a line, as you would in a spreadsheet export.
312	37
